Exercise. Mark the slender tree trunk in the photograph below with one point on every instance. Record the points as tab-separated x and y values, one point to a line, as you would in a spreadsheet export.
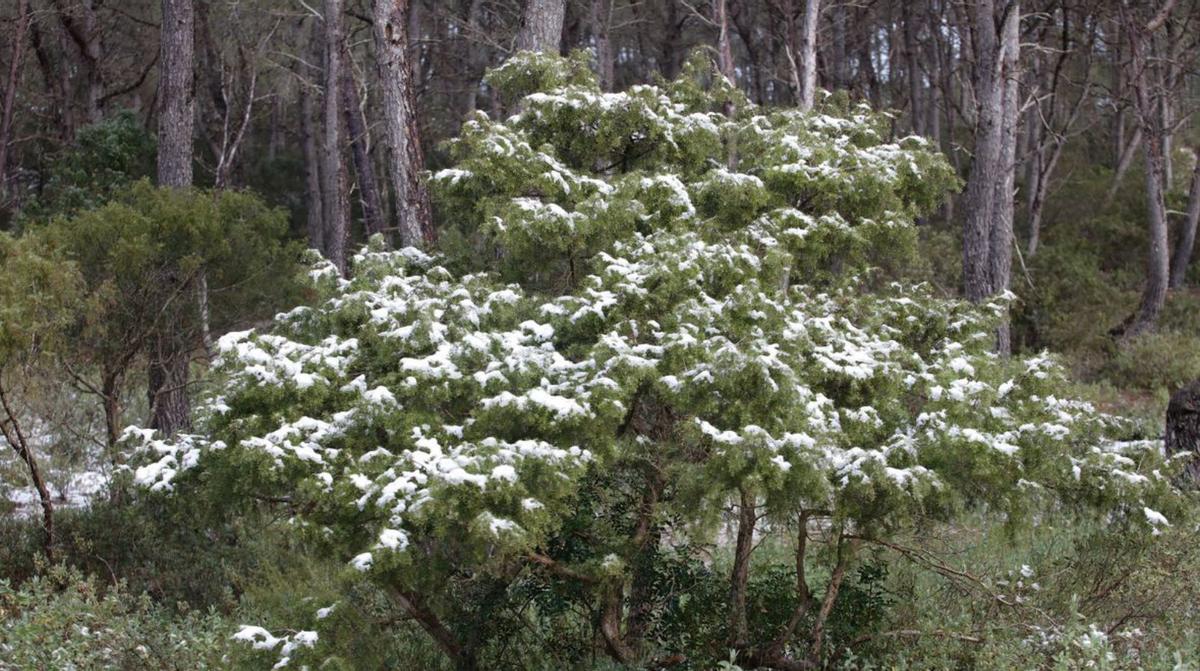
310	142
168	366
10	428
1001	235
542	26
1154	295
1037	200
807	58
601	18
333	171
278	120
1187	235
841	65
1123	163
725	64
356	127
10	90
312	170
111	391
739	627
868	78
405	157
462	658
912	53
476	58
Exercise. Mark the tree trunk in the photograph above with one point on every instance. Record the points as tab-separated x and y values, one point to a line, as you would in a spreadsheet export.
10	428
10	90
111	392
310	142
170	408
1037	199
1154	295
85	37
405	157
724	44
176	102
356	127
462	658
1123	163
333	171
912	55
807	58
841	62
1187	235
476	58
601	18
1183	427
986	170
168	365
1001	235
542	26
739	627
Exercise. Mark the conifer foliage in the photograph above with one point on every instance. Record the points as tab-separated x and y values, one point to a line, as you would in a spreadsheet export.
650	319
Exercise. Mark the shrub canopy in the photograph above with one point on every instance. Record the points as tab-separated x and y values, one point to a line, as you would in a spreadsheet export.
637	283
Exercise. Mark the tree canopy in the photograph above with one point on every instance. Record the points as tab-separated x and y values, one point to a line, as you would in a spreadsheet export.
638	323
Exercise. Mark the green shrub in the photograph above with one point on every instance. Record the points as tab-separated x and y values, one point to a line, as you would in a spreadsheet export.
63	620
1156	362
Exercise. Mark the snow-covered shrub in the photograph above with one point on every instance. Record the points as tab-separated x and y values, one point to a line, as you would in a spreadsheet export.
651	311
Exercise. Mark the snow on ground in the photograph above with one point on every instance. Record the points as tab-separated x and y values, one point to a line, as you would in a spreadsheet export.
80	490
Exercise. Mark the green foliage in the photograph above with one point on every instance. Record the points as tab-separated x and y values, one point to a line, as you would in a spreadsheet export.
152	264
105	159
1156	362
651	310
147	248
40	290
1066	594
63	620
526	72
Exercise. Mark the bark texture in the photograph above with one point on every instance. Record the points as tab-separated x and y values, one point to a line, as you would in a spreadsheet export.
542	26
405	156
12	81
364	169
176	115
988	206
1148	112
1000	241
310	142
1183	426
807	58
167	387
985	165
333	171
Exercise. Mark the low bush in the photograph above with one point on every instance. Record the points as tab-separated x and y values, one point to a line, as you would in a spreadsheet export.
61	619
